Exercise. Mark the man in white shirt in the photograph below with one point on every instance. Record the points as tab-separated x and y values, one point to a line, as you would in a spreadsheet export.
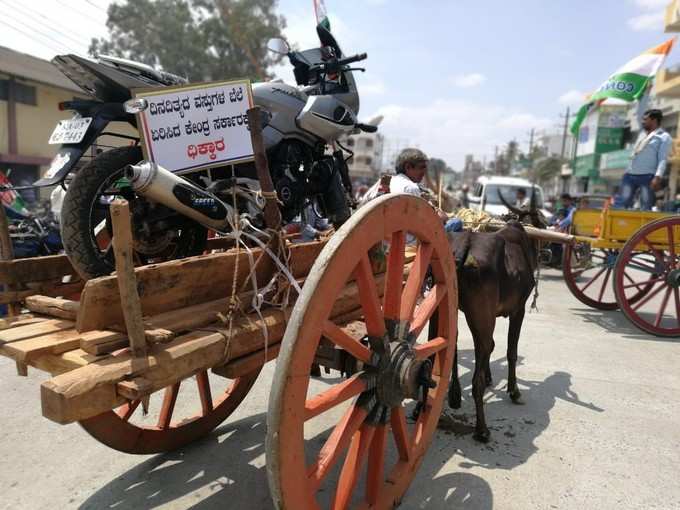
411	167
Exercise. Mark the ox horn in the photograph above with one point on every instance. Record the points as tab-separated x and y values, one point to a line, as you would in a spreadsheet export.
532	206
512	209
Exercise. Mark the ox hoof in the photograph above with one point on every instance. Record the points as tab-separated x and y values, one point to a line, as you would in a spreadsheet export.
455	397
516	397
482	436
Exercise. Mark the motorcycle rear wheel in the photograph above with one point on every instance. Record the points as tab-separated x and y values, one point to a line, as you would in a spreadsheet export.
84	210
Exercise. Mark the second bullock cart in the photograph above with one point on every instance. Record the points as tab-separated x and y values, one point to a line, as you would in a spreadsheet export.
629	260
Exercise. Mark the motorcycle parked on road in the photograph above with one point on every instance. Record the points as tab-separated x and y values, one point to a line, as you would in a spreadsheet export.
300	123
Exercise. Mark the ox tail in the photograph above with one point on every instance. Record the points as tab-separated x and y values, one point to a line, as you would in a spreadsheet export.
455	393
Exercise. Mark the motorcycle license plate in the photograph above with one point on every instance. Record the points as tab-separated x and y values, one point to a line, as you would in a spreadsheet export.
70	131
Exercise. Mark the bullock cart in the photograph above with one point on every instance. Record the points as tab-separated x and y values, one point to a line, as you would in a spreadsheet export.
374	305
628	260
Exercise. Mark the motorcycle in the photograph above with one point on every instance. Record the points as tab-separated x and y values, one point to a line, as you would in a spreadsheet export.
33	235
170	216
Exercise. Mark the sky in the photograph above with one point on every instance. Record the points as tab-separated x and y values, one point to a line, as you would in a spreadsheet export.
452	77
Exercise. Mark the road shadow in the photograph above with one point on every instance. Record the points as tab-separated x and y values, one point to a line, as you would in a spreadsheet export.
615	322
229	464
514	428
222	462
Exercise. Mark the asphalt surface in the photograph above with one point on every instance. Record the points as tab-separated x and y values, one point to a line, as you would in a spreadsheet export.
600	429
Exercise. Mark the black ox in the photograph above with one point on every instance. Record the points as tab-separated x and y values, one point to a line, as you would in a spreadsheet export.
495	278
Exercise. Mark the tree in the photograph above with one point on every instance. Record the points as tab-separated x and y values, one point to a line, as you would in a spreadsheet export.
203	40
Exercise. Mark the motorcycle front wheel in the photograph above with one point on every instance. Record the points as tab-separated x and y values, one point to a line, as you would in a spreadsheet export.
86	228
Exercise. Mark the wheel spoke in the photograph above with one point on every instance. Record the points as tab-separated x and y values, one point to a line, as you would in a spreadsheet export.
414	283
423	351
126	410
376	465
659	315
655	251
368	295
168	407
425	310
394	277
642	284
346	342
334	396
204	392
648	297
351	469
335	445
676	296
400	432
592	280
671	243
604	285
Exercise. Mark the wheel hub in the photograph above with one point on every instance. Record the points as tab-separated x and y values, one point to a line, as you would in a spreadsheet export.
673	278
400	375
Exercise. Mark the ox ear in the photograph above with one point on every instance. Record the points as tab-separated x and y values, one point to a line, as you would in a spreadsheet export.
512	209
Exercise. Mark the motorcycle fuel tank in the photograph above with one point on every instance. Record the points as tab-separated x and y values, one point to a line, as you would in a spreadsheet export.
284	103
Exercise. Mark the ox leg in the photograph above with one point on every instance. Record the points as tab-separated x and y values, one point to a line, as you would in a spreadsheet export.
455	392
482	328
513	339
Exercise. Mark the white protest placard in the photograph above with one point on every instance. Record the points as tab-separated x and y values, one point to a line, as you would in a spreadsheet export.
196	126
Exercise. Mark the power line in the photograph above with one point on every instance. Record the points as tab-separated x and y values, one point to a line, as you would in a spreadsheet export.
38	32
95	5
49	27
82	14
30	36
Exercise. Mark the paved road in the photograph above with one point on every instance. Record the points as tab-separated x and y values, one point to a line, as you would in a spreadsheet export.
599	430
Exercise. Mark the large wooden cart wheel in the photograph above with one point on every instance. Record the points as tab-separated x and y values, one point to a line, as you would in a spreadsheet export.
178	415
651	259
588	273
373	452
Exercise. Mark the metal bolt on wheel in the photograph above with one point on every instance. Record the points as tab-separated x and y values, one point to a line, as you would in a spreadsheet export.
369	457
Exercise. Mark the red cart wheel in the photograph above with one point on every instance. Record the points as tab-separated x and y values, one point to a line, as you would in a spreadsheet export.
129	430
650	261
587	273
396	365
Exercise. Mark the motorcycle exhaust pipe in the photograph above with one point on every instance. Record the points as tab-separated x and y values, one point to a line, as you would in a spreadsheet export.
161	185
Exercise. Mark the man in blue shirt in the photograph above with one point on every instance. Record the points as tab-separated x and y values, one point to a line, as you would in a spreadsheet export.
648	162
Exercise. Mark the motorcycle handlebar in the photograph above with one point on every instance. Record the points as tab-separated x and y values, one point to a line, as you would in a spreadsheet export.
351	60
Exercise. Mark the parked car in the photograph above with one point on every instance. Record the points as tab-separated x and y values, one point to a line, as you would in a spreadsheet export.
485	194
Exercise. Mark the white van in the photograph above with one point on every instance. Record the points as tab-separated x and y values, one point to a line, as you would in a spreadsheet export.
485	194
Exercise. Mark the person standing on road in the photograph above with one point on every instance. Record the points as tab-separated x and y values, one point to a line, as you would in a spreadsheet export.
463	198
648	162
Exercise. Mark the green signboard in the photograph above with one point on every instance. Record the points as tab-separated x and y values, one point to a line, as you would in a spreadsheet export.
608	139
616	159
587	166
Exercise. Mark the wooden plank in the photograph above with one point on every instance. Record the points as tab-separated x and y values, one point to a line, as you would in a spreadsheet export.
7	253
125	272
30	349
19	320
55	307
247	364
32	330
91	390
103	342
35	269
56	364
272	213
181	283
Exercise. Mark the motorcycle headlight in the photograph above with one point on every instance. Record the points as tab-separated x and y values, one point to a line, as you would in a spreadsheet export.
136	105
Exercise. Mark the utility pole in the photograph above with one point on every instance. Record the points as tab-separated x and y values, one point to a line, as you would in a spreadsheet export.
564	134
531	153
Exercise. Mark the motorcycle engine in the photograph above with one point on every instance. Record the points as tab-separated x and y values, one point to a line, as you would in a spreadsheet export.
290	167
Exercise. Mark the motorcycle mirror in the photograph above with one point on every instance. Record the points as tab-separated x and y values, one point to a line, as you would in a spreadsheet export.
279	46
